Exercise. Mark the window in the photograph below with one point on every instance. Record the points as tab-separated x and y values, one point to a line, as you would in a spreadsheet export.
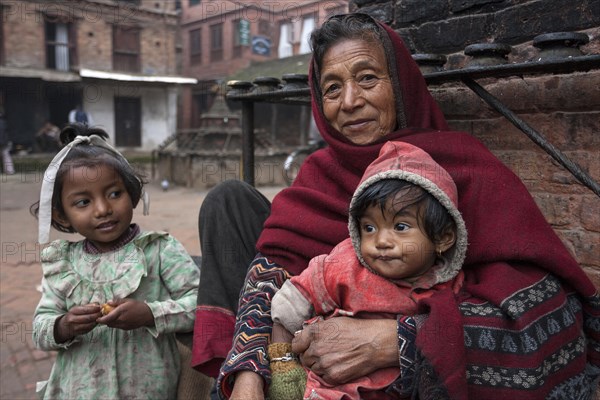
196	47
136	2
126	49
60	48
264	28
308	25
285	48
200	105
237	38
216	42
194	3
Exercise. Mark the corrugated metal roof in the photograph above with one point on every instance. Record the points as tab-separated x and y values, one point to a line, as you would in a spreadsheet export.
274	68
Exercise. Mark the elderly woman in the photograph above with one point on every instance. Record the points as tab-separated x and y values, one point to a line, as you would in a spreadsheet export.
526	324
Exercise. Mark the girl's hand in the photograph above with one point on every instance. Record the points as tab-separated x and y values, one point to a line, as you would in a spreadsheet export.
248	385
128	314
78	320
341	349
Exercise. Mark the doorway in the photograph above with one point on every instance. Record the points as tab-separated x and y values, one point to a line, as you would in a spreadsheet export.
128	121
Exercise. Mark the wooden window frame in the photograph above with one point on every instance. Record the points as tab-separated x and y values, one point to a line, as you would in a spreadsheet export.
50	44
236	43
216	42
126	59
195	46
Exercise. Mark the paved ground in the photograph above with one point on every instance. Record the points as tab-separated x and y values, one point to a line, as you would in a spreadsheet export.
21	365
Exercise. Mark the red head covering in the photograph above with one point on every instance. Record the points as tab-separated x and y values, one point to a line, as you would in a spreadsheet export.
511	245
310	217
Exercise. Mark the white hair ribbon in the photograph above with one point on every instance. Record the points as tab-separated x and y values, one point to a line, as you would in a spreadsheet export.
45	206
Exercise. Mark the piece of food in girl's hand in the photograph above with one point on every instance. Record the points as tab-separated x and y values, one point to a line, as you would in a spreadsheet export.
106	309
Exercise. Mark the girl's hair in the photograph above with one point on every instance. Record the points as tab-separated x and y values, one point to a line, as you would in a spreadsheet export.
433	218
86	155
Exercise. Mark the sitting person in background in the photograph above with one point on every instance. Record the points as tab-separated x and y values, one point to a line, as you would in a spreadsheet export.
47	138
407	241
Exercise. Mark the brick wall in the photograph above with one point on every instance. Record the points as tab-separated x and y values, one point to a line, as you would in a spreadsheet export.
24	37
564	108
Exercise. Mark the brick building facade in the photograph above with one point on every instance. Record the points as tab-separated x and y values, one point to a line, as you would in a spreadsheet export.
220	38
117	59
565	108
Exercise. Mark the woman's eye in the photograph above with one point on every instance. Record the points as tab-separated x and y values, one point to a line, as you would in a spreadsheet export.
331	90
368	79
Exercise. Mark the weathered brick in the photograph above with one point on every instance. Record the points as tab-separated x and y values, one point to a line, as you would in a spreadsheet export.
586	246
590	213
409	12
383	12
594	275
559	210
523	22
452	34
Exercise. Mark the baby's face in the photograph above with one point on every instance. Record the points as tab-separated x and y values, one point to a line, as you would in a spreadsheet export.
392	242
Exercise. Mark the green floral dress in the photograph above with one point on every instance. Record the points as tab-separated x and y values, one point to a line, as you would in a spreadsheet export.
109	363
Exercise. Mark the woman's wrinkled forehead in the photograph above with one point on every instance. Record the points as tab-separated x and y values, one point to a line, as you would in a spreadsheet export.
357	53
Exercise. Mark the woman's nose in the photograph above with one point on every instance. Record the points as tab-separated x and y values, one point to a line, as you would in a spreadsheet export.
351	96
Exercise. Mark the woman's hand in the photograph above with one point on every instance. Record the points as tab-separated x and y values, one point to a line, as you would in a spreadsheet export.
78	320
128	314
342	349
248	385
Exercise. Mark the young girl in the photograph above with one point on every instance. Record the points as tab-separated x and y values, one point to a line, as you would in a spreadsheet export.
111	303
407	241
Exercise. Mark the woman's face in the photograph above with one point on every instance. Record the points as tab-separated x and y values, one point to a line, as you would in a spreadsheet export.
358	99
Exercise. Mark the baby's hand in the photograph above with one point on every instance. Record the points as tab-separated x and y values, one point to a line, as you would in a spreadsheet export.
78	320
127	314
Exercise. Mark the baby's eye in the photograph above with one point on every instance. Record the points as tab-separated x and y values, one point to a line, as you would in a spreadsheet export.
115	194
368	228
401	227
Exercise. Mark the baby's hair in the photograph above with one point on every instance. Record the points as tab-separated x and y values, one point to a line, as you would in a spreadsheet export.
434	217
91	156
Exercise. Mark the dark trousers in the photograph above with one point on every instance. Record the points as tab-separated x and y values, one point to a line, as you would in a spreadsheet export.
230	222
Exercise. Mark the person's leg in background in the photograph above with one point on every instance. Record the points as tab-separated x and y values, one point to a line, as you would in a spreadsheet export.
7	163
230	221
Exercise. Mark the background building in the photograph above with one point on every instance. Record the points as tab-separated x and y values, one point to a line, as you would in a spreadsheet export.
220	38
117	59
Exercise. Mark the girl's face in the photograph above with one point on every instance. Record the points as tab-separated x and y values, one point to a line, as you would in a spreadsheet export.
393	244
96	204
358	99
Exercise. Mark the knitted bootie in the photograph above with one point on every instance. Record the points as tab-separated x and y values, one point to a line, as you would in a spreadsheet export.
288	376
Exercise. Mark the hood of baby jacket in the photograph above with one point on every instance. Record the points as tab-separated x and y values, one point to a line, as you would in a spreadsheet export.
399	160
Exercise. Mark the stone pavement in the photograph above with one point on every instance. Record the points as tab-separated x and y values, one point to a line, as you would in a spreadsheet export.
21	365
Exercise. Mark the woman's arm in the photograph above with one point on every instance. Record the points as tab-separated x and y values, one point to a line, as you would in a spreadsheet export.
252	331
341	349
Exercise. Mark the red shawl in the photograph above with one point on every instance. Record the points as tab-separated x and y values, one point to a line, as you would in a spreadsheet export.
511	246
